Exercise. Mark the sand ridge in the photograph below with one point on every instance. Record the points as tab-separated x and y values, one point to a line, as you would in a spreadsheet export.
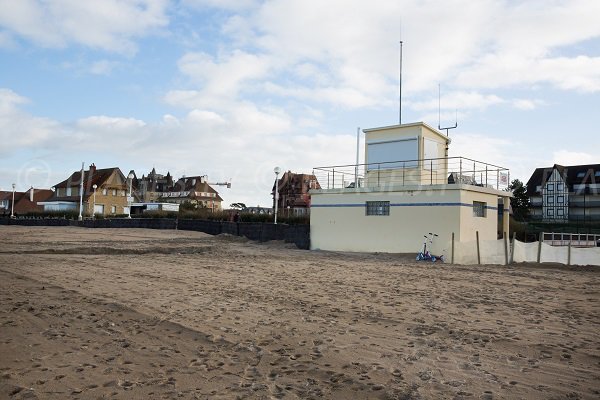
188	315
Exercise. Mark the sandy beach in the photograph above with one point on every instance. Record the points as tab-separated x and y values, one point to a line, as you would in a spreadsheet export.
144	314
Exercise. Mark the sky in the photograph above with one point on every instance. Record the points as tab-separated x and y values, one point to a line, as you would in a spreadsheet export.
233	88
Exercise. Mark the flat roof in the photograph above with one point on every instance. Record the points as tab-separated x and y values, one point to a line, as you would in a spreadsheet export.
412	124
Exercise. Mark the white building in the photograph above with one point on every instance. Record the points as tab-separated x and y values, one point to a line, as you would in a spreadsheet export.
407	188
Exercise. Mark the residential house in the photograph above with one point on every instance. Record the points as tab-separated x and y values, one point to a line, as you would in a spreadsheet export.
108	198
403	192
565	193
6	201
28	202
150	188
195	190
294	196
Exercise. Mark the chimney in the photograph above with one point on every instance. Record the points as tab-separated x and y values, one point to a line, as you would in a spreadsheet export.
92	169
31	194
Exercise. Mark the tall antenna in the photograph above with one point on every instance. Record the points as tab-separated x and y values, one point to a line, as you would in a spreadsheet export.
440	113
400	95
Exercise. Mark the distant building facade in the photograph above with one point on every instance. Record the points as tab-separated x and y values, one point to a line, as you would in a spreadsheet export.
152	187
109	197
565	193
195	190
294	196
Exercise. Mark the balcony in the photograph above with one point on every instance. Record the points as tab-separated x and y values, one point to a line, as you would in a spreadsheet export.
431	171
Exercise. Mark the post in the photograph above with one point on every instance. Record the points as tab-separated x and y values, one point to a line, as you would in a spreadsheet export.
569	252
486	175
81	194
403	172
512	248
357	150
431	172
540	240
478	252
506	215
129	197
333	179
505	249
12	204
277	170
452	257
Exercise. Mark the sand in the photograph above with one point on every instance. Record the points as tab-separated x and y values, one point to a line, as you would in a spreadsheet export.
137	314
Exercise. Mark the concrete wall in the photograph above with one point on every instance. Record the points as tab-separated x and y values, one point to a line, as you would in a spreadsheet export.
339	221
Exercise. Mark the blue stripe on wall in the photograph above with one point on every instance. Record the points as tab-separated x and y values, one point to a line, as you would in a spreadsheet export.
403	205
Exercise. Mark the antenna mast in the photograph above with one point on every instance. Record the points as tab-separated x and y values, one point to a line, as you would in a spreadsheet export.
440	113
400	94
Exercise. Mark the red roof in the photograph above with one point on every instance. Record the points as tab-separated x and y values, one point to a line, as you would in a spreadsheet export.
24	204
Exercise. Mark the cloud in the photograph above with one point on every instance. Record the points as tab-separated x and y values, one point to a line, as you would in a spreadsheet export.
109	25
18	129
566	157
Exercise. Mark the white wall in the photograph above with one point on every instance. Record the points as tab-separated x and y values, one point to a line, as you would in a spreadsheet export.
339	221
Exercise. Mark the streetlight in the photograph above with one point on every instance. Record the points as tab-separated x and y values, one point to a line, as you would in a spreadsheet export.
277	170
130	177
12	210
94	186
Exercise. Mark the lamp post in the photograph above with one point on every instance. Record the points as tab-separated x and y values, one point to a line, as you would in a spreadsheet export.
81	194
277	170
94	186
12	205
130	177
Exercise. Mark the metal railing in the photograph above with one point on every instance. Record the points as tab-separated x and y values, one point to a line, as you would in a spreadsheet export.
431	171
573	239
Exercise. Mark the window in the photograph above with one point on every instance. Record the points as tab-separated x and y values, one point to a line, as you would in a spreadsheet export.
122	193
113	209
114	192
560	212
581	174
105	191
550	187
560	199
550	200
597	174
378	208
560	187
479	209
550	212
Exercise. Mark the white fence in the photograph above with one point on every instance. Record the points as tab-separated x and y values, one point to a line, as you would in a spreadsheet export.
504	252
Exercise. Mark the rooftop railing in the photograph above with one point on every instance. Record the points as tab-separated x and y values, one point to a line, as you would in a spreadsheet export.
430	171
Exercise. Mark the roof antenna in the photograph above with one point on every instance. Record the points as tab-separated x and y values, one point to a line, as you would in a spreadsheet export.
400	94
440	113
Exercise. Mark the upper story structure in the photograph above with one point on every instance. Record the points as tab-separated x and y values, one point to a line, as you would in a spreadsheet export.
565	193
406	188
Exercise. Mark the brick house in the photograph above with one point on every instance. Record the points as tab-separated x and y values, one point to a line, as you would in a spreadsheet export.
294	194
109	197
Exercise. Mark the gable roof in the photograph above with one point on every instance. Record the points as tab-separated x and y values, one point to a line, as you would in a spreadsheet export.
97	177
26	205
571	174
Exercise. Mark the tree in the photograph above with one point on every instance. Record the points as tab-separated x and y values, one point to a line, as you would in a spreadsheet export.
520	201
